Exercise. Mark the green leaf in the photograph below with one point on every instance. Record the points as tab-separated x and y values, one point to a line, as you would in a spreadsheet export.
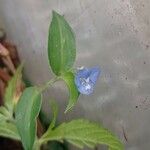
55	113
61	45
8	130
83	133
2	118
11	94
76	143
4	111
26	113
73	92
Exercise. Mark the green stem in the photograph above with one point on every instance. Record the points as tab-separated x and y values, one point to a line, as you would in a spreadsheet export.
49	83
36	145
38	142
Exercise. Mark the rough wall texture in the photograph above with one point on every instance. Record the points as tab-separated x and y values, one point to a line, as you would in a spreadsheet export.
112	34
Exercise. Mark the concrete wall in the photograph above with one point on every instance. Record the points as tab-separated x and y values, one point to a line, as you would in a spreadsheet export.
114	34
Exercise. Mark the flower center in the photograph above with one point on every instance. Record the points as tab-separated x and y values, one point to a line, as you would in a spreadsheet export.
86	83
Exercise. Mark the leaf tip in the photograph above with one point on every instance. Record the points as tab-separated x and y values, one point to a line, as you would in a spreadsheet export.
55	14
68	108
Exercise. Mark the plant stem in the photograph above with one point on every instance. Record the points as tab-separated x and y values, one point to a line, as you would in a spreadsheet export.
49	83
36	145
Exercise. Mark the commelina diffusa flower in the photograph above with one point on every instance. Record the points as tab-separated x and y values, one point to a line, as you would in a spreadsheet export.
85	79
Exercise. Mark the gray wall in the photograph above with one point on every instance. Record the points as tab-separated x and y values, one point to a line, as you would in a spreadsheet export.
114	34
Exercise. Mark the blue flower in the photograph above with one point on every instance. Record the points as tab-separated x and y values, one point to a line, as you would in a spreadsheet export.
85	79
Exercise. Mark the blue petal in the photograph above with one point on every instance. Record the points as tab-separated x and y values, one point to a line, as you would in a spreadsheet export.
84	73
85	80
94	74
82	89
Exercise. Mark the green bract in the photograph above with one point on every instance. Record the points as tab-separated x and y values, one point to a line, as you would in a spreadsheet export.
73	92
